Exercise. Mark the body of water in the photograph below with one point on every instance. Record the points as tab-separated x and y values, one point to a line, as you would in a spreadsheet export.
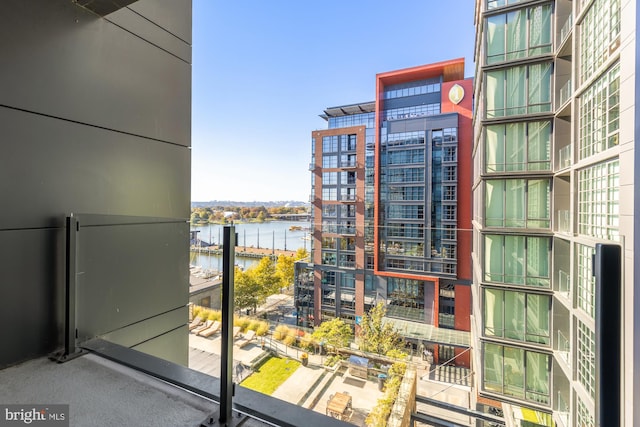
270	235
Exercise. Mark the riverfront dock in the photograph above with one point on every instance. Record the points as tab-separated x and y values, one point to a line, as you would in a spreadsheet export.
243	252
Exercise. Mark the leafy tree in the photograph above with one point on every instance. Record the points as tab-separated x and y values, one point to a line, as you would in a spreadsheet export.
301	253
247	290
284	270
376	336
265	274
260	217
335	333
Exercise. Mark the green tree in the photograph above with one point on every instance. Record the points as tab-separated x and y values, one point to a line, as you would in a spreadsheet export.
247	290
376	336
301	253
335	333
284	270
265	274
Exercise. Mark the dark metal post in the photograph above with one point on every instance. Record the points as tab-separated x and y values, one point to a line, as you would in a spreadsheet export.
226	378
70	285
607	269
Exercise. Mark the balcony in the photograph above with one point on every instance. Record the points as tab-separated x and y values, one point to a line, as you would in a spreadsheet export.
565	31
564	157
564	283
564	222
564	348
565	93
563	411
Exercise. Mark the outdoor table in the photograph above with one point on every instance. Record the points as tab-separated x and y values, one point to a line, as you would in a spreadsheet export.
338	405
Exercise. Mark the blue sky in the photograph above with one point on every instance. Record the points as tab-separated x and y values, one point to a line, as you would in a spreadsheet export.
264	70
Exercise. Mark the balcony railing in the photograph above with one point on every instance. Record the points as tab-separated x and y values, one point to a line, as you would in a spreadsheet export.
565	93
564	348
564	283
564	157
564	222
566	28
563	410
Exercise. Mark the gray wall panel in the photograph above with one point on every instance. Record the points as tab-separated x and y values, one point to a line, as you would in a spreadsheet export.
62	60
142	27
172	346
172	15
30	298
94	119
129	273
95	171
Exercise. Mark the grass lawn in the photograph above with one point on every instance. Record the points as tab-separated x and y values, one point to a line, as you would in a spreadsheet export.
268	377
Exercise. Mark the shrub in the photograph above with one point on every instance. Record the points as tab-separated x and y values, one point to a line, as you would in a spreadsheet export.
243	322
281	332
214	315
332	360
263	328
289	340
253	325
196	311
307	342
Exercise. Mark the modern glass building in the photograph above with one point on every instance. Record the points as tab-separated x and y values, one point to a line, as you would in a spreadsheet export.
554	156
391	204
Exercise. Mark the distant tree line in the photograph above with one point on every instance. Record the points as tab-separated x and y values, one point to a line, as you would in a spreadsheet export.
222	214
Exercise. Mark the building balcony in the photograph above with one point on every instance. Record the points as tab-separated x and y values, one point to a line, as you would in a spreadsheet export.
564	348
566	29
563	221
564	283
562	412
565	156
565	93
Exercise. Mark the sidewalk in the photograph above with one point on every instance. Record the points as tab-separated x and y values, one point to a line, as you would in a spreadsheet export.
296	388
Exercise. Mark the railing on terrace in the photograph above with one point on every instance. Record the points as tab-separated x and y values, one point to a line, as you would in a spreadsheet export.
563	410
565	92
566	28
564	221
564	157
564	348
564	283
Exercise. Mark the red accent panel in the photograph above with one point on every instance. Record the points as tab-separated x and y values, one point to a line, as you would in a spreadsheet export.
463	308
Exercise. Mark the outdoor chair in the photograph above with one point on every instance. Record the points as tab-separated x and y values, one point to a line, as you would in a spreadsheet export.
202	327
246	339
215	327
197	321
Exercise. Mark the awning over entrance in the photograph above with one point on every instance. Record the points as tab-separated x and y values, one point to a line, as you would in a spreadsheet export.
429	333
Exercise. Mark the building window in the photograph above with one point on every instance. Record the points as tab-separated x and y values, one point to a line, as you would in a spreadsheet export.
516	372
405	193
518	147
521	203
586	358
517	316
348	178
599	35
329	194
450	154
329	178
518	90
328	258
517	260
584	416
413	111
493	4
449	212
405	138
406	212
586	285
600	114
347	142
403	175
421	87
329	243
330	144
347	261
519	34
598	200
329	210
400	157
406	298
329	162
406	230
